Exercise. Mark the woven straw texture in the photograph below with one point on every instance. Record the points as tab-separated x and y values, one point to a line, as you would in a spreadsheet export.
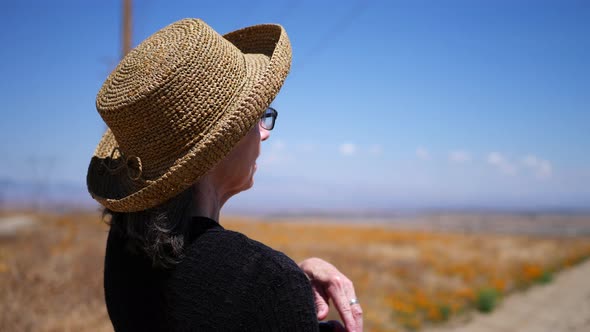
177	104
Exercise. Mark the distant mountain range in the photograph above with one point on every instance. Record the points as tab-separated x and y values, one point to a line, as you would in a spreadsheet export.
30	194
67	196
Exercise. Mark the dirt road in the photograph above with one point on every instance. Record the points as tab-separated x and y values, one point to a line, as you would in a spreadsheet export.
561	306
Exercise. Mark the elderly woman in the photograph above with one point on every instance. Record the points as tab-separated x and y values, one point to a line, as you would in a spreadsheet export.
186	113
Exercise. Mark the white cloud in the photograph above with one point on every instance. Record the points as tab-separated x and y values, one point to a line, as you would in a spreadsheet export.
375	150
306	147
545	169
530	161
422	153
347	149
459	156
277	154
497	160
277	145
541	168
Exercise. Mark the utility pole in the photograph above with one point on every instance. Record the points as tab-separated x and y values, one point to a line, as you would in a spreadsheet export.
127	27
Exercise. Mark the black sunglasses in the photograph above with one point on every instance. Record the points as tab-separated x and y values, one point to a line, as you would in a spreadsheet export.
268	118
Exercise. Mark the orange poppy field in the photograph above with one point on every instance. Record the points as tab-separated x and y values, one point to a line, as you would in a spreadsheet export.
406	278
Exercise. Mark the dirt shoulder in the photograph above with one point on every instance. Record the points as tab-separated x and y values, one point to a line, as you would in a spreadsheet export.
561	306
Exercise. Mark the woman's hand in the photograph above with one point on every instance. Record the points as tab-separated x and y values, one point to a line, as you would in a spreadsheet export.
329	283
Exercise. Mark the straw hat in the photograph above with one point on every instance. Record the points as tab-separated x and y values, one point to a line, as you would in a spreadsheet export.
177	104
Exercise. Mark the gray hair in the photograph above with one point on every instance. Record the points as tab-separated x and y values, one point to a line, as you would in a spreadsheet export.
158	232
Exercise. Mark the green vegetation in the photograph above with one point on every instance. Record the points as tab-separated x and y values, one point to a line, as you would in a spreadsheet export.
545	278
487	299
445	311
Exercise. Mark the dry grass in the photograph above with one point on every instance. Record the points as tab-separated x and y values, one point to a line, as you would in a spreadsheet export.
409	278
51	274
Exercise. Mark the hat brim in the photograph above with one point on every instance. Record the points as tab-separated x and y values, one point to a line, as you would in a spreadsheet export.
267	53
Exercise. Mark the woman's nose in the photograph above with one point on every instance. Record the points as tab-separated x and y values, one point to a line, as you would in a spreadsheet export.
264	134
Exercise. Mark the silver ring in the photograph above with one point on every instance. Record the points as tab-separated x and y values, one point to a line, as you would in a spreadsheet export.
353	301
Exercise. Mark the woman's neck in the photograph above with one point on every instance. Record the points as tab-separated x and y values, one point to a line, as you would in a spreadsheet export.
207	200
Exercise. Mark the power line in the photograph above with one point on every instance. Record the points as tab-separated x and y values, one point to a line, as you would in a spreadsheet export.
335	31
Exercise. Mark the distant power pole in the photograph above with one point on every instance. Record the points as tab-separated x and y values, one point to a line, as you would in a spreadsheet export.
127	27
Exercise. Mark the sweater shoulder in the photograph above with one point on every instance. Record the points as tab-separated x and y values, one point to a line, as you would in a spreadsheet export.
234	250
226	276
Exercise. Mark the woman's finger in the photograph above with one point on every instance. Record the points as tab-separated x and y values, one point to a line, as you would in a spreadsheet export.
321	300
357	314
329	283
341	291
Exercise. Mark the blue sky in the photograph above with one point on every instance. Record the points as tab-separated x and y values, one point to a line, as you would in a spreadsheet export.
389	104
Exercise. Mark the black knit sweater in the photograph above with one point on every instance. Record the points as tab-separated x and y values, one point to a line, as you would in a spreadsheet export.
226	282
